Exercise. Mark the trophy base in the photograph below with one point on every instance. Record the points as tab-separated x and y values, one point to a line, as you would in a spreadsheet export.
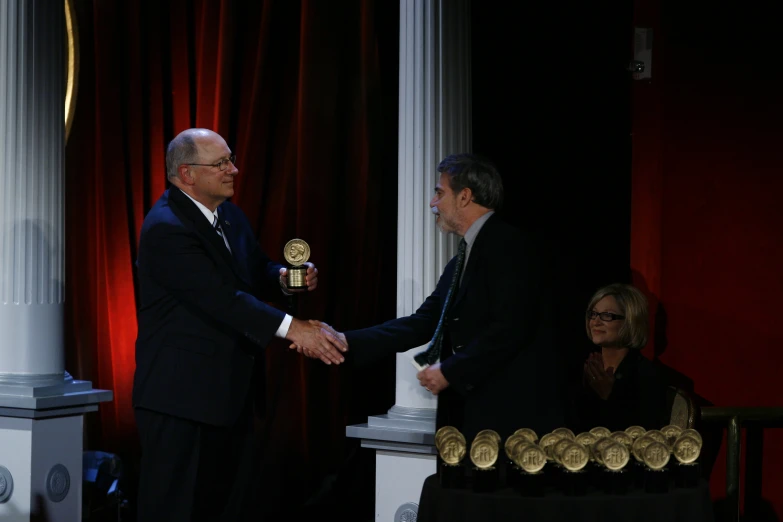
656	481
616	482
574	483
513	474
687	475
297	277
637	474
485	480
451	476
529	484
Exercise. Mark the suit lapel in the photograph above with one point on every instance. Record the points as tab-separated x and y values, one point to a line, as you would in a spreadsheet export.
193	216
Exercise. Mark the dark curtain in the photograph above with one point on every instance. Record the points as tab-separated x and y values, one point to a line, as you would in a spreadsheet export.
305	92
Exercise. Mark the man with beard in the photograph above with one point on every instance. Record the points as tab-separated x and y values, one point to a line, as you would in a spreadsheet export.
488	325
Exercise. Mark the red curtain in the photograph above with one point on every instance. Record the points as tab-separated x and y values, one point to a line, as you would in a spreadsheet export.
706	237
306	94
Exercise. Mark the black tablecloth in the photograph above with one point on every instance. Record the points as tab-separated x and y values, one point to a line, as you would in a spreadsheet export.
438	504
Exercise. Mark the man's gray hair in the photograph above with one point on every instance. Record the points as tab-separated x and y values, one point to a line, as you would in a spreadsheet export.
181	150
476	173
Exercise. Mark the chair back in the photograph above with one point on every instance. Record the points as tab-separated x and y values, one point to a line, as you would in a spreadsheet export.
683	408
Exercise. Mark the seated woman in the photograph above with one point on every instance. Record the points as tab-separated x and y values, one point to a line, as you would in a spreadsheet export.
619	387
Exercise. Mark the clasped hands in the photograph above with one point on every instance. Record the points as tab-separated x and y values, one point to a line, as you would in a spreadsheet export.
317	340
600	379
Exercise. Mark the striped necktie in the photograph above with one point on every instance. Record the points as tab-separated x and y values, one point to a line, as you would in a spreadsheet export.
219	230
431	355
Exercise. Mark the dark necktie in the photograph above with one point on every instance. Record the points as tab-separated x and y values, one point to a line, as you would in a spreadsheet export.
219	230
431	355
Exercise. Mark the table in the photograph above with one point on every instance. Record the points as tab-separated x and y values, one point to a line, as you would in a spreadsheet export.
438	504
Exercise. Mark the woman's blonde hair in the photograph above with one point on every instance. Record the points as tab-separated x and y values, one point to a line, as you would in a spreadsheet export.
633	305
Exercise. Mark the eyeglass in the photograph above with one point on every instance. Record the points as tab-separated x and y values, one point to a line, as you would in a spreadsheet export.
605	316
222	164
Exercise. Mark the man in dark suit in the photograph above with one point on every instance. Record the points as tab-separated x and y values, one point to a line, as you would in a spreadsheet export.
202	325
498	366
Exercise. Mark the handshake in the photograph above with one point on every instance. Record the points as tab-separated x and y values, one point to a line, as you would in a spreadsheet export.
317	340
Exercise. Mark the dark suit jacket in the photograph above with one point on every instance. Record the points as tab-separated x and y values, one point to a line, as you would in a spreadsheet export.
638	398
503	373
201	316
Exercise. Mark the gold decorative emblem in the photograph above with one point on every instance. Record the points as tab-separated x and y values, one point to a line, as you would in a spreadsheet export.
686	449
656	455
296	252
452	450
510	443
635	431
671	432
528	434
599	446
559	448
491	433
622	437
484	453
692	433
565	432
586	439
442	432
531	459
657	436
639	445
615	455
574	457
600	431
547	441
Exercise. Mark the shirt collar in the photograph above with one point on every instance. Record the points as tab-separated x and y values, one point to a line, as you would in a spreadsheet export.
475	228
204	210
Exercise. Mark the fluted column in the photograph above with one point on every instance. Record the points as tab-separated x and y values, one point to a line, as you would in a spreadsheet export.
435	121
31	193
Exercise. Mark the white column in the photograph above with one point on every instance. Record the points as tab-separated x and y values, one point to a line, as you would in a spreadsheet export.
31	193
435	121
41	406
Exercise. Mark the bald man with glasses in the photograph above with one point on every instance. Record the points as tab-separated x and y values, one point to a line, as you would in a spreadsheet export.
203	324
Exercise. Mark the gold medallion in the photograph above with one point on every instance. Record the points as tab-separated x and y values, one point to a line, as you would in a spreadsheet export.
635	431
574	457
600	431
532	458
639	445
615	455
586	439
527	433
686	449
452	450
510	443
297	252
452	436
547	441
657	436
691	433
599	446
622	437
671	432
442	432
565	432
518	446
484	453
656	455
559	448
492	433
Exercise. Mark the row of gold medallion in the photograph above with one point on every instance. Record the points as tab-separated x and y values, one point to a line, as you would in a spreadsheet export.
611	450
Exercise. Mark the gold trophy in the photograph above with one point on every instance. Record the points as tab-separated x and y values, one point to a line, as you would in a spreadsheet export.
297	252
